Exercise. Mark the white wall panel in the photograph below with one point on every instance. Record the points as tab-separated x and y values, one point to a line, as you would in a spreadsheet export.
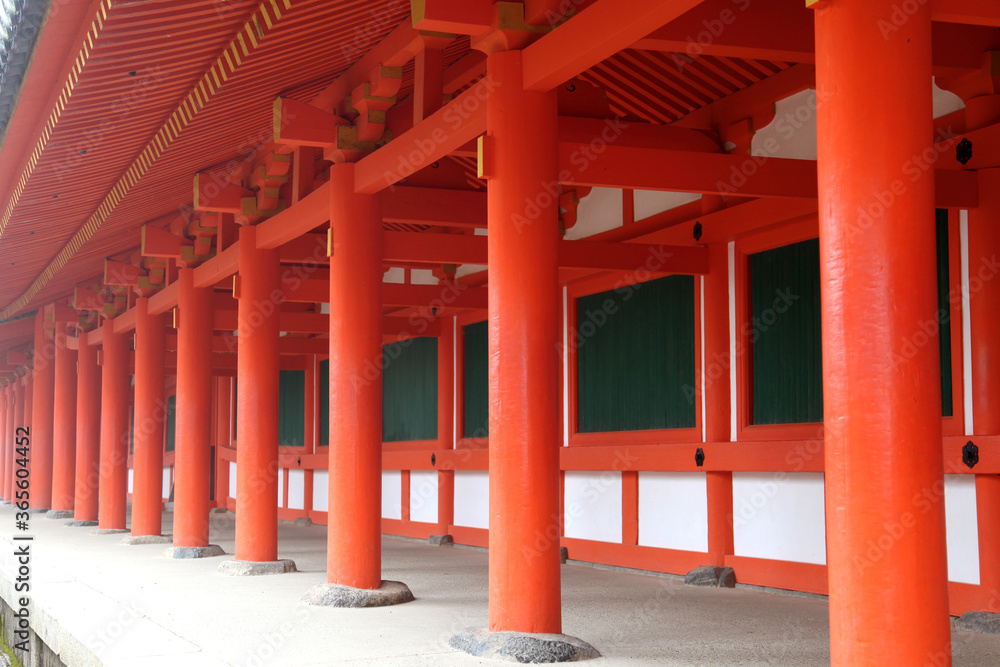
424	496
321	490
780	516
392	494
296	489
593	506
673	510
963	530
472	498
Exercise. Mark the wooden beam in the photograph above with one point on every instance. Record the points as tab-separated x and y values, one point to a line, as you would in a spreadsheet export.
434	206
291	223
85	299
434	296
121	274
212	193
655	259
973	12
299	124
157	242
220	267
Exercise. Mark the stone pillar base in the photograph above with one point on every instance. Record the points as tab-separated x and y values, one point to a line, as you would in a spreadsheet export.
39	510
109	531
441	541
134	540
335	595
522	647
249	568
303	521
184	553
711	576
85	524
59	514
983	622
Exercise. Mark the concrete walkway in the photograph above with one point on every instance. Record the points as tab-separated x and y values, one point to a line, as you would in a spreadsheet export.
97	602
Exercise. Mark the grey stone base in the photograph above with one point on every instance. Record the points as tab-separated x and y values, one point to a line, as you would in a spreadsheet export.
109	531
711	576
335	595
135	540
59	514
184	553
38	510
84	524
249	568
984	622
218	510
441	541
523	647
303	521
563	555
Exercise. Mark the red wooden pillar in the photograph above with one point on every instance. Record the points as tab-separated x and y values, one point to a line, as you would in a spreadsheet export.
5	439
257	407
113	485
882	409
192	451
354	547
20	391
719	485
64	427
984	304
223	422
150	418
446	422
88	431
43	399
524	330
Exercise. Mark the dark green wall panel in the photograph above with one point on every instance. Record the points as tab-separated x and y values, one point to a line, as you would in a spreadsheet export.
291	408
171	422
409	390
324	402
944	316
636	357
476	393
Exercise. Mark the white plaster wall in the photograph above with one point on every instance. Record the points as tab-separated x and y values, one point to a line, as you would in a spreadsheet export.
673	510
593	506
599	211
422	277
472	498
232	479
281	487
466	269
651	202
166	482
296	489
945	102
792	133
424	496
392	494
396	274
321	490
963	531
779	516
130	476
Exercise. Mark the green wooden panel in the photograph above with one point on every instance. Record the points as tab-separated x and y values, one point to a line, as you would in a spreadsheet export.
291	408
636	357
785	334
476	394
944	312
171	422
409	390
324	403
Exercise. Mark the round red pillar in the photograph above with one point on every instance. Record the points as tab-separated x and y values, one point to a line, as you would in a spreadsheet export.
524	328
882	404
8	430
150	418
64	426
113	485
192	454
18	416
43	398
257	403
223	437
354	547
88	431
446	421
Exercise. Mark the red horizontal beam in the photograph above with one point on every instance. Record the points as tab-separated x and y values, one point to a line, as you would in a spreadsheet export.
309	213
974	12
434	206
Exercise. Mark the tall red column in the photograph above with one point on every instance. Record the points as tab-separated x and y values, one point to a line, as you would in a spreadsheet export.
354	546
192	453
41	417
524	325
113	484
882	404
64	428
224	420
719	485
5	422
88	432
150	418
257	410
446	421
18	416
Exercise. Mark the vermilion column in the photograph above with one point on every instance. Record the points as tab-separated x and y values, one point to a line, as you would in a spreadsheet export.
524	323
41	417
354	546
19	392
88	431
64	428
150	417
882	403
257	403
113	484
4	414
224	387
984	305
719	485
446	421
192	453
